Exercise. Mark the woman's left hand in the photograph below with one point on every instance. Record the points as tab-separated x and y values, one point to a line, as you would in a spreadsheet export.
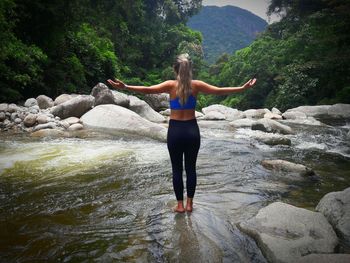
118	84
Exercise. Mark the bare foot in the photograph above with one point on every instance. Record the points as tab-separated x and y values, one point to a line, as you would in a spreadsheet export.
189	205
180	207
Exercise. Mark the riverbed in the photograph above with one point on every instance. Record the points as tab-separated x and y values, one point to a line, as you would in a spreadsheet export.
98	197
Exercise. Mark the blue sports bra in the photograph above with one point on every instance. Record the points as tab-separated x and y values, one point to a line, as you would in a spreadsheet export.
189	105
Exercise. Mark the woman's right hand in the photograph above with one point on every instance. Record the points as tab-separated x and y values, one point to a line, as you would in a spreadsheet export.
250	83
118	84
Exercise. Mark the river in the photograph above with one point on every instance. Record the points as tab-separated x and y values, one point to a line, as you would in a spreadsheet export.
107	198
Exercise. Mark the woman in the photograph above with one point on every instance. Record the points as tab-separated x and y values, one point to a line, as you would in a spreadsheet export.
183	133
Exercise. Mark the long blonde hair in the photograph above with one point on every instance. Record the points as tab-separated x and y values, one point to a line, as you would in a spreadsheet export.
183	70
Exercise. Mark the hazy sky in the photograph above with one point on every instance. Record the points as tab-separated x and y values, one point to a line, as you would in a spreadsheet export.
257	7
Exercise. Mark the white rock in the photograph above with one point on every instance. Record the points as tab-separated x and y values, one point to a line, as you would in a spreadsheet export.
30	120
267	125
12	108
198	114
102	94
229	113
44	102
76	127
242	123
121	99
276	111
214	115
313	111
165	112
4	107
72	120
272	116
285	233
144	110
64	124
272	139
18	121
293	115
285	166
62	98
336	208
116	119
30	102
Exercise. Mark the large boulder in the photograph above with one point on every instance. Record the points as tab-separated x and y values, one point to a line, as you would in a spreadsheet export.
74	107
256	113
293	115
144	110
268	125
102	94
121	99
158	102
116	119
339	111
285	166
44	102
62	99
229	113
285	233
325	111
336	208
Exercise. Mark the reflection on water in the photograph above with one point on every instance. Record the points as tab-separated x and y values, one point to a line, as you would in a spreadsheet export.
109	199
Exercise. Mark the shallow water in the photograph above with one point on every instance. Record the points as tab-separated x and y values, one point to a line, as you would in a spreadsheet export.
109	199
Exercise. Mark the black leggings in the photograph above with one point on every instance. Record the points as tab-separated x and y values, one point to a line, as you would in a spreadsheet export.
183	139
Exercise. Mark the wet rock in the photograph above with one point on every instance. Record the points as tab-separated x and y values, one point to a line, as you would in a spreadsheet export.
158	102
102	94
214	115
255	114
62	99
336	208
2	116
42	118
272	139
144	110
121	99
75	107
30	102
76	127
4	107
313	111
72	120
49	125
30	120
325	258
44	102
229	113
243	123
267	125
285	166
272	116
339	111
285	233
48	133
116	119
276	111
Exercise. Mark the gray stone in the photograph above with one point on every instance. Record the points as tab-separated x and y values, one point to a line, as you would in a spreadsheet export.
62	99
121	99
72	120
339	111
255	114
293	115
243	123
64	124
267	125
30	102
4	107
336	208
102	94
313	111
325	258
18	121
272	116
75	107
12	108
2	116
229	113
285	233
76	127
30	120
144	110
44	102
276	111
158	102
116	119
285	166
272	139
48	133
49	125
42	118
33	111
14	116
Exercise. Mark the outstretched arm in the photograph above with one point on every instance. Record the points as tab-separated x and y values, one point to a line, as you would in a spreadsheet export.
159	88
210	89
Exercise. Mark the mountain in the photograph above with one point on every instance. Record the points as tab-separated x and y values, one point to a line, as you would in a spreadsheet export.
225	29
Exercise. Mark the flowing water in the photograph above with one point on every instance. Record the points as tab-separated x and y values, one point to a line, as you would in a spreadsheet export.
108	199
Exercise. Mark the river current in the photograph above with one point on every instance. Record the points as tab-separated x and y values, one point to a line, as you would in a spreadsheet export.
109	198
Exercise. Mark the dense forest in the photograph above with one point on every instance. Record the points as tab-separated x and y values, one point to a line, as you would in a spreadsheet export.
61	46
225	29
301	60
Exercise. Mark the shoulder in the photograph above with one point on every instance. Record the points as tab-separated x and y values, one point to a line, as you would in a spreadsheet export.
197	84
